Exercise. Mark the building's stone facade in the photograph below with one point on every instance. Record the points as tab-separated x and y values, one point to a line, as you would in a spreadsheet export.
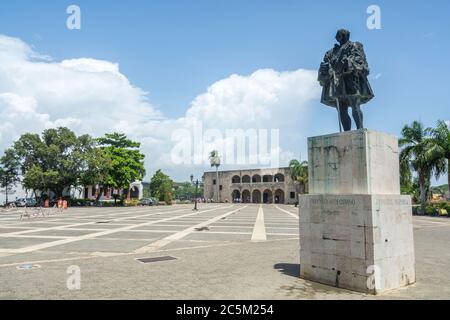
251	186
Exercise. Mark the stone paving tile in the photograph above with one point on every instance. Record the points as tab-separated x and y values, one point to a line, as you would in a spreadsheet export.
160	227
42	225
136	235
17	243
282	230
217	236
230	229
61	233
101	245
279	236
10	230
226	224
105	226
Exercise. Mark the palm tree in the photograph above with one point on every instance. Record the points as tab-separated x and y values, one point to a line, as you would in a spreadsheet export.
441	144
214	159
418	151
299	174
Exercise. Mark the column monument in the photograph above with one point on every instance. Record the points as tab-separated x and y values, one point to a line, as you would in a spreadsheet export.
356	228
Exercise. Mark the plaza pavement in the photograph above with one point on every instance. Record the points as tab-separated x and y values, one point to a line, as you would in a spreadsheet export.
223	251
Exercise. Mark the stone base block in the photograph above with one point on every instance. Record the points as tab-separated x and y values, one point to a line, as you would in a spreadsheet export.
357	242
354	162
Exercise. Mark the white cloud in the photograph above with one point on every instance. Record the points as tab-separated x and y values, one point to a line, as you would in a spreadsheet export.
92	96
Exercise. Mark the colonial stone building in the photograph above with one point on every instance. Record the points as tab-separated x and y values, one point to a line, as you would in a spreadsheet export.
250	186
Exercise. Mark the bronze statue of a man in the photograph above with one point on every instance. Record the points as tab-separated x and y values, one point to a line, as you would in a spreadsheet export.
343	76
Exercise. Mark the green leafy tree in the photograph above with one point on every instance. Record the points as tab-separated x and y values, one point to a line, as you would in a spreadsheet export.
96	165
52	162
441	144
299	174
9	172
184	191
406	176
418	151
167	191
161	187
127	162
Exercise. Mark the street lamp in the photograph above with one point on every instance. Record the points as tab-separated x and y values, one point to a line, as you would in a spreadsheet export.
196	190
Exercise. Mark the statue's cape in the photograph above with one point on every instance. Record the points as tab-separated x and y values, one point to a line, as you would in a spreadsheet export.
343	75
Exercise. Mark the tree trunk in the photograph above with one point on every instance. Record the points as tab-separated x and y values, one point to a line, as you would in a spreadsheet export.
423	194
448	175
99	195
59	192
298	190
6	195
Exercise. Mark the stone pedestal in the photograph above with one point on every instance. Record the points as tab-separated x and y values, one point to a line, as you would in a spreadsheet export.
355	228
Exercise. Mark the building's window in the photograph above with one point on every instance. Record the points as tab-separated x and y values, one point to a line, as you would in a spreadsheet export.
220	188
292	195
214	182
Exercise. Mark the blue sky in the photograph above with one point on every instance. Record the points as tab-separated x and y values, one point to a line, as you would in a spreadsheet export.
176	49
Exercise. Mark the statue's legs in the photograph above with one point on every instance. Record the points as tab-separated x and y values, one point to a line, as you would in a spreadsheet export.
345	118
357	114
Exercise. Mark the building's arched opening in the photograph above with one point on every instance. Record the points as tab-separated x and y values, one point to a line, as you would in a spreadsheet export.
245	196
268	178
236	179
279	196
279	177
134	193
236	196
256	178
267	196
256	196
246	179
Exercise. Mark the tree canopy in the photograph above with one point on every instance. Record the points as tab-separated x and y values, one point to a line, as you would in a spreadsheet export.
161	187
419	154
9	172
54	161
59	159
127	162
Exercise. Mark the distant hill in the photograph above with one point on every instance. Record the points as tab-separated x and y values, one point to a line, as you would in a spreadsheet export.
440	189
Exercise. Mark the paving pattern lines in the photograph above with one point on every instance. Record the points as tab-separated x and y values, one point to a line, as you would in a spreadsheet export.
181	234
96	234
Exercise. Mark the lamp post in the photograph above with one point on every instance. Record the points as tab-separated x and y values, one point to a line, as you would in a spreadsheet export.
196	190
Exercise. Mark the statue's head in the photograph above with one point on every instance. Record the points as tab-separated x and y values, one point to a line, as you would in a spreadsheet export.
342	36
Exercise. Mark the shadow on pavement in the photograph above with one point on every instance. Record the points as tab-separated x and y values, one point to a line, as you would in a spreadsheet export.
289	269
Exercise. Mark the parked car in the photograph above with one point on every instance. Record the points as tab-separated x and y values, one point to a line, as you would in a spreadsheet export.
147	202
25	202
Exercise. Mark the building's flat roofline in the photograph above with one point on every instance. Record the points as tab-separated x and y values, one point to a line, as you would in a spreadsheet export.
260	169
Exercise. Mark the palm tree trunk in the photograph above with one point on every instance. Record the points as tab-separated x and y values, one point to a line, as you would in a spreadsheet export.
423	194
448	175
